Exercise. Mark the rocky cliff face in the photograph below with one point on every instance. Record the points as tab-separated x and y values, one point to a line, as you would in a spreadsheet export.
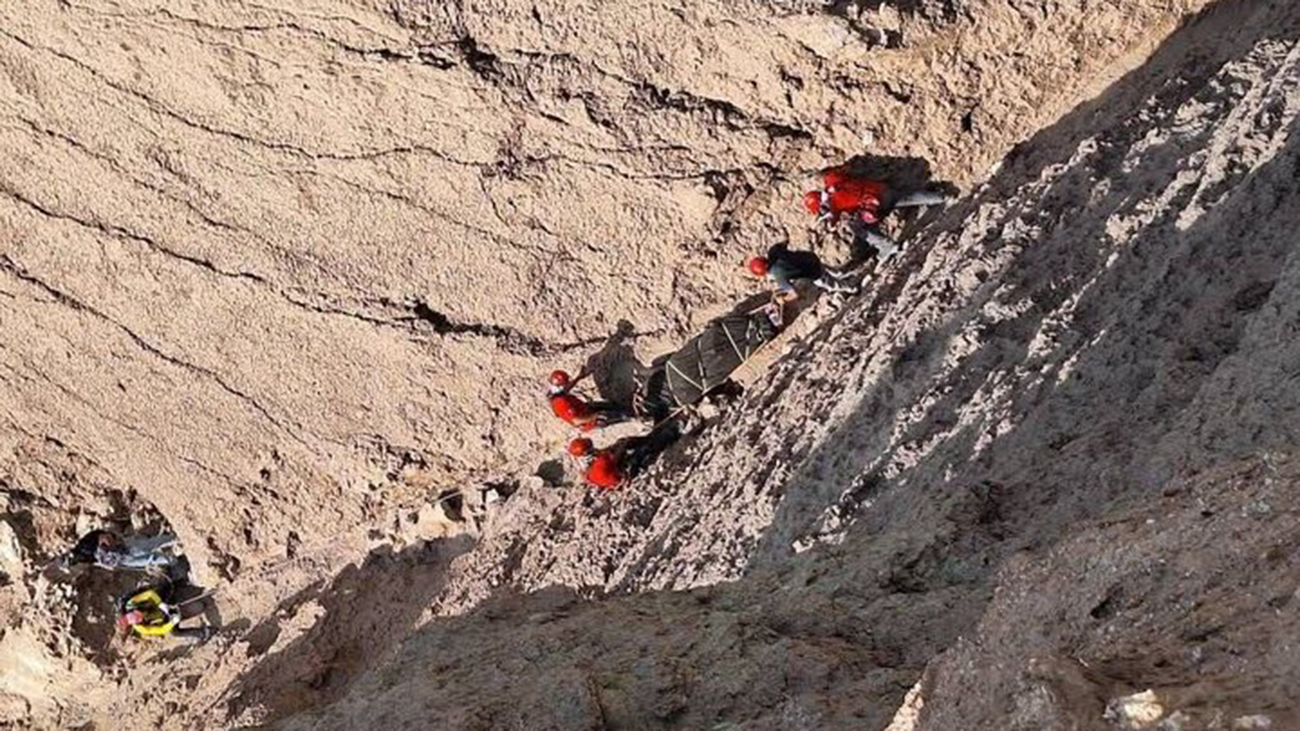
306	262
1052	396
274	277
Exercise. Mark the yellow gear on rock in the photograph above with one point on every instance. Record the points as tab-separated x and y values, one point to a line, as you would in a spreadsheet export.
159	618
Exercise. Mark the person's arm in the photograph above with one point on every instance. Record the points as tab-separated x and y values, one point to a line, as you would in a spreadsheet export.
785	290
777	311
578	379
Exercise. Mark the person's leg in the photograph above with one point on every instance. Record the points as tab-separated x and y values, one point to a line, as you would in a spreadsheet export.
920	198
143	561
197	634
146	552
640	452
885	247
150	543
838	273
631	456
608	412
834	286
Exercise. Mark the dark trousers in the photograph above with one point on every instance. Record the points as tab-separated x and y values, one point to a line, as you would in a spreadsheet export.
197	634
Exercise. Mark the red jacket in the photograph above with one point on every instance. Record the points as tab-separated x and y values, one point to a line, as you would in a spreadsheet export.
572	409
603	472
849	195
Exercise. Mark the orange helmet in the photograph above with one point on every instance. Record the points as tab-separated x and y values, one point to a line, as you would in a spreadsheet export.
812	200
580	447
758	266
559	378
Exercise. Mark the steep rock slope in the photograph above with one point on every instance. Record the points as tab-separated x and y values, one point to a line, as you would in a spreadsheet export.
1188	599
1075	330
270	274
274	275
1058	387
309	261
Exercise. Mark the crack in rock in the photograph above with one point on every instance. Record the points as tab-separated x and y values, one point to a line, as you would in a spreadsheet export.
284	147
128	426
18	272
492	68
506	338
119	232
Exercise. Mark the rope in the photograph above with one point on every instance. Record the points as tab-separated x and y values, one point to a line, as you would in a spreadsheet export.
670	417
742	356
699	361
668	385
678	371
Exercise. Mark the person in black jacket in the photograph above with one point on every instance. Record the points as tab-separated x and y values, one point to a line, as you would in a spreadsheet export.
784	267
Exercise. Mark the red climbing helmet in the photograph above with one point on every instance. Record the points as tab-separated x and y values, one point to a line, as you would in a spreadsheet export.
758	266
559	379
580	447
812	200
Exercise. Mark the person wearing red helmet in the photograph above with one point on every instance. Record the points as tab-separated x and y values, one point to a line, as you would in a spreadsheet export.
586	415
863	203
843	195
867	200
608	468
784	267
602	470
